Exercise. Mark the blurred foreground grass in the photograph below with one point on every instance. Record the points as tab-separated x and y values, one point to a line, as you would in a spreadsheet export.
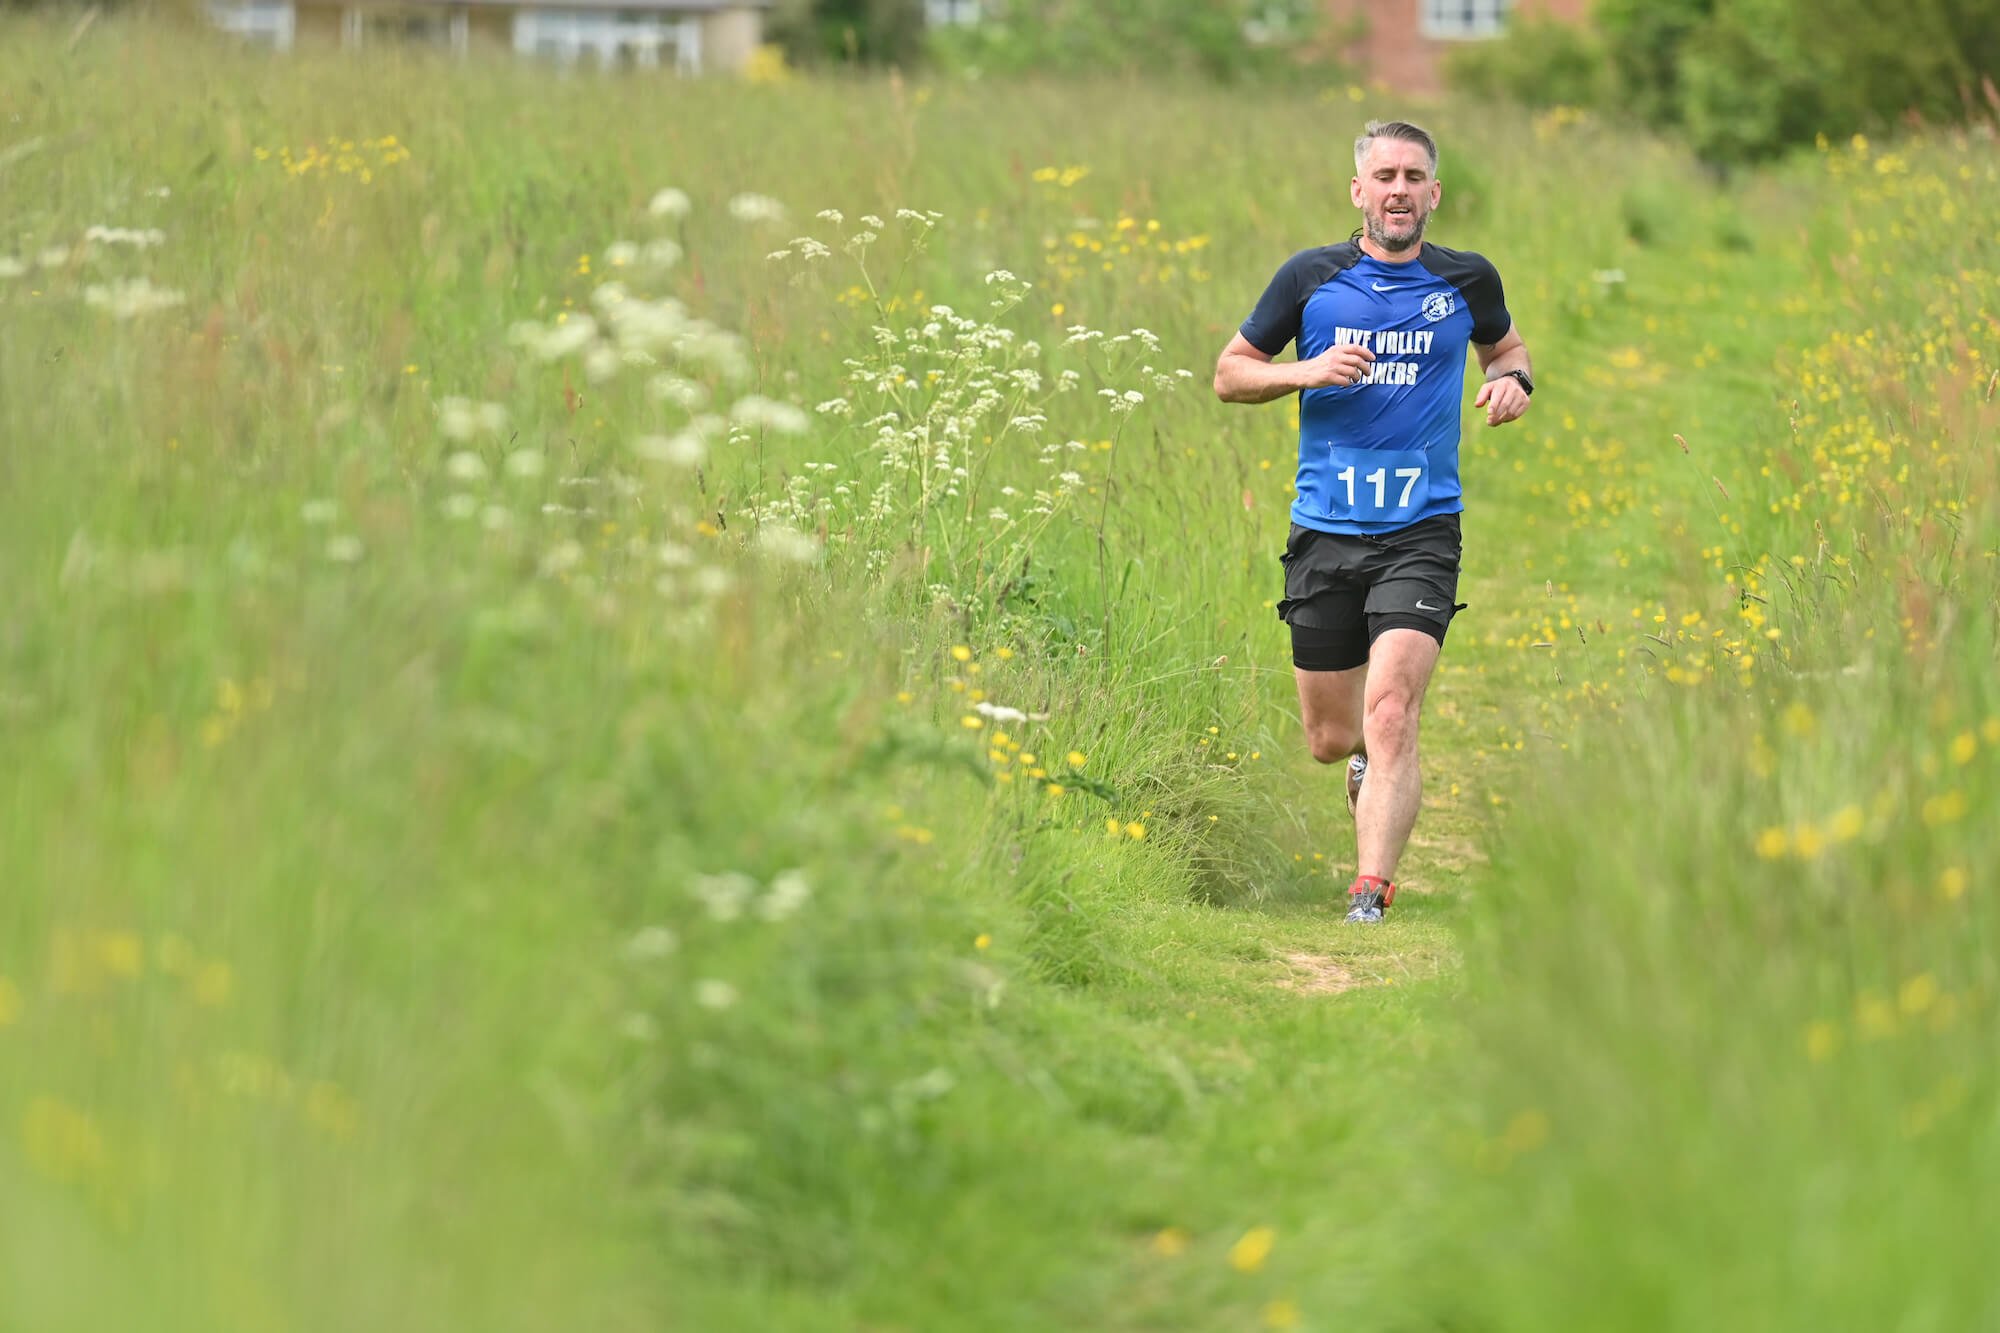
531	800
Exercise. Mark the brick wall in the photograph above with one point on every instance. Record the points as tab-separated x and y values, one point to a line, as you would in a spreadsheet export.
1385	40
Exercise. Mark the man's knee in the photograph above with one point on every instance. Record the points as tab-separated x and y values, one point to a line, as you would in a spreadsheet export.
1330	742
1392	717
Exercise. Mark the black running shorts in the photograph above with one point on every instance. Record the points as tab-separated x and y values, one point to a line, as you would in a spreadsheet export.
1343	590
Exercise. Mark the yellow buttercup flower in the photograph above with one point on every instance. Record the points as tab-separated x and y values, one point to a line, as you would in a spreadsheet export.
1281	1314
1248	1254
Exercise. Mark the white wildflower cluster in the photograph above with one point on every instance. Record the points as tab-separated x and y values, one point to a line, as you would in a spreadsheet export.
342	548
61	256
917	227
714	993
733	895
756	208
670	203
655	256
805	247
686	394
685	448
130	298
939	401
608	516
783	418
122	298
1002	713
469	472
462	419
650	944
136	237
787	544
687	583
632	331
660	960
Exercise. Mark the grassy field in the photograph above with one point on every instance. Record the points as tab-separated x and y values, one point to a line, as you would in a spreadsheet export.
636	705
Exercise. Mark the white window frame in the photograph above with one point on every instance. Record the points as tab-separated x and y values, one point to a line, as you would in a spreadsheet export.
953	13
605	33
354	29
275	20
1463	20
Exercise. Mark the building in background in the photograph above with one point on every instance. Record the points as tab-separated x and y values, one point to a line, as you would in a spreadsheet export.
686	36
1402	43
953	13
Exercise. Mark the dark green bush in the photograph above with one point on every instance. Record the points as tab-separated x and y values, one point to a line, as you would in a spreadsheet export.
1749	79
1224	39
874	32
1537	63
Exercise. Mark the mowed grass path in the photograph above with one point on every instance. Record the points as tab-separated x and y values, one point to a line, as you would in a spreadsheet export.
468	876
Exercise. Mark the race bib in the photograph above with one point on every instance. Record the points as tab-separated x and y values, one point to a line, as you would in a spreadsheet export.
1377	485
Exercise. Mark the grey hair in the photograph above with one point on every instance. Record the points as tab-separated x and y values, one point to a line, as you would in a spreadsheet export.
1394	129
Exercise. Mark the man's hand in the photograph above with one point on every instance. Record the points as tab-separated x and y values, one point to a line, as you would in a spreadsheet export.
1337	367
1504	400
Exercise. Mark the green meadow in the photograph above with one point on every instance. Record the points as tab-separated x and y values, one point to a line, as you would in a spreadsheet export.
643	704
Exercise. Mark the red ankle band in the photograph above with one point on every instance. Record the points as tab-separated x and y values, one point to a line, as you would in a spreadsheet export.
1373	884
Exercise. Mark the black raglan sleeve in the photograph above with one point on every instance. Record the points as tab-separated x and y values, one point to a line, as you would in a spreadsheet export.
1275	321
1478	282
1487	301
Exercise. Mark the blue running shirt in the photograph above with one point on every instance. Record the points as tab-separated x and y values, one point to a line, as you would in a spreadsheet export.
1382	454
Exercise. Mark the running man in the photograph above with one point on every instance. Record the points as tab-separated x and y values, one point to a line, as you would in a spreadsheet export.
1371	566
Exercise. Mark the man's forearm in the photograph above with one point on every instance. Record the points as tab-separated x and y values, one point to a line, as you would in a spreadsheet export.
1514	358
1245	379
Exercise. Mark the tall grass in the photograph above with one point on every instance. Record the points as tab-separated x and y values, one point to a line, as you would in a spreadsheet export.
498	833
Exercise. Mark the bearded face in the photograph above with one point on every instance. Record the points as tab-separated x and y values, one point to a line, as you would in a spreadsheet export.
1395	192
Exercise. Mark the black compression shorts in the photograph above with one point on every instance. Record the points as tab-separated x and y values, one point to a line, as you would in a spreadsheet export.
1344	590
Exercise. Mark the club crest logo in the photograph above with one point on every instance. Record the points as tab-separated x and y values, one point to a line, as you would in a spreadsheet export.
1438	305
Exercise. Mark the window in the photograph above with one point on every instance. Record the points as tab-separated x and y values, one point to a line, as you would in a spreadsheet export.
259	22
610	39
378	27
950	13
1464	18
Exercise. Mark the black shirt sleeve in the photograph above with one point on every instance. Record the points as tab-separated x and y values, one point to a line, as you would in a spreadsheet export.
1479	283
1275	322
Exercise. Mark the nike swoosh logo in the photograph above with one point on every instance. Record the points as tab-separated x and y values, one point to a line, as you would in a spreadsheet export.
1380	288
1424	606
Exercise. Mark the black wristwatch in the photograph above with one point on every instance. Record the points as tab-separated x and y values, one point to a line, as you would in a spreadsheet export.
1522	376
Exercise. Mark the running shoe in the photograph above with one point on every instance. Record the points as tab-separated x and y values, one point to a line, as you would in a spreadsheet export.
1357	769
1368	901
